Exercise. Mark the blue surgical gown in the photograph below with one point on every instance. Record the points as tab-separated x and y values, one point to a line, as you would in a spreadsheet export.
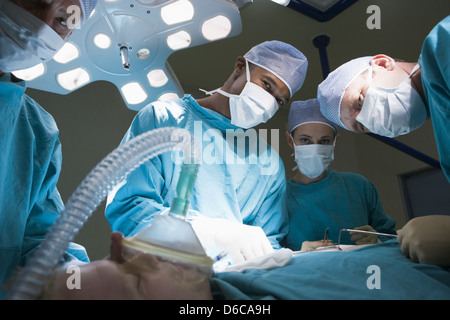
435	65
339	200
235	181
30	164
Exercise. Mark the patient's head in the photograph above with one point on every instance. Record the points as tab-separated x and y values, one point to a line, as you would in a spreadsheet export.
142	277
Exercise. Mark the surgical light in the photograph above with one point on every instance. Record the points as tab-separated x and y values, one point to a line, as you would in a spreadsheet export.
179	40
67	53
31	73
168	96
321	10
73	79
128	43
177	12
157	78
216	28
282	2
102	41
133	93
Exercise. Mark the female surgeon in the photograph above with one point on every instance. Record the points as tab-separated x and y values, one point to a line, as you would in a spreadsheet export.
30	162
319	198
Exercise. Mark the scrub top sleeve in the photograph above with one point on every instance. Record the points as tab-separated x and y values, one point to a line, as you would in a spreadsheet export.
435	64
47	206
272	216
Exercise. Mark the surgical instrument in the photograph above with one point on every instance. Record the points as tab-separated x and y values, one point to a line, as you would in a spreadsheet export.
363	231
325	237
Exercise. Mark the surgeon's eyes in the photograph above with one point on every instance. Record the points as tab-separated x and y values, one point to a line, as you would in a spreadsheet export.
61	25
280	102
360	100
268	88
304	140
62	21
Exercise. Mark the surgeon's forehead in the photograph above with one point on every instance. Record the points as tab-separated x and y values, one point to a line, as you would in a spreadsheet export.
354	88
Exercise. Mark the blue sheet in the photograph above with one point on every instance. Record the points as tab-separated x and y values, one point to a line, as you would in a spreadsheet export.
339	275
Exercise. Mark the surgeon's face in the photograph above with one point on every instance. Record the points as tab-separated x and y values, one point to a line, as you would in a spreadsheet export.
386	74
263	78
52	12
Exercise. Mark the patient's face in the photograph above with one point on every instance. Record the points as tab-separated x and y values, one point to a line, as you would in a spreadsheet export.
141	277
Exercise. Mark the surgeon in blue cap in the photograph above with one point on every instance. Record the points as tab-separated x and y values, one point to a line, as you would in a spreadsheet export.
30	161
388	97
321	199
239	192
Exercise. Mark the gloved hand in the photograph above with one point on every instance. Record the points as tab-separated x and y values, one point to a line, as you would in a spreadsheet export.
310	245
427	240
364	238
276	259
241	242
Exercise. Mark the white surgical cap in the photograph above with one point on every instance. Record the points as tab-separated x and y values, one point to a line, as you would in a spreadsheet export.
302	112
87	6
281	59
331	91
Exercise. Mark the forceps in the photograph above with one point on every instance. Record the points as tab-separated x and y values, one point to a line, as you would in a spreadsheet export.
325	237
363	231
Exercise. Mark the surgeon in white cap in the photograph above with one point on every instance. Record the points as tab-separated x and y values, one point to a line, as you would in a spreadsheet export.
240	189
321	199
31	32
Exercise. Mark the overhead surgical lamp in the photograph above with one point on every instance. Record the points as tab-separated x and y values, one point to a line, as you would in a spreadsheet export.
128	43
320	10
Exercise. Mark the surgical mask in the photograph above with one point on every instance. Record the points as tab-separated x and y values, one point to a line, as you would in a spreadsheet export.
253	106
313	159
392	112
25	41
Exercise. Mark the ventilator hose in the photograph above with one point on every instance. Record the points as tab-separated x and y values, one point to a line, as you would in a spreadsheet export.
88	196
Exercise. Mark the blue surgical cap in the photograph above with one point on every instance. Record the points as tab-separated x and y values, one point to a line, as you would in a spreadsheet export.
302	112
87	6
281	59
331	91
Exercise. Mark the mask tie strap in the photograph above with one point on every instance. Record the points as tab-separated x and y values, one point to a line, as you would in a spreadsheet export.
247	70
209	93
293	154
370	75
417	66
